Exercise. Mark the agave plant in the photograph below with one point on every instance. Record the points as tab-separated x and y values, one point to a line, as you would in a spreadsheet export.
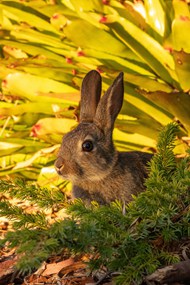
46	49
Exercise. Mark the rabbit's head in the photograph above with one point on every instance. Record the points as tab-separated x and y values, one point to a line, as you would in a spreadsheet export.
87	153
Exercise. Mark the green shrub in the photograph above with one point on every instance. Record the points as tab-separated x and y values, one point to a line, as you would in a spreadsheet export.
43	60
134	239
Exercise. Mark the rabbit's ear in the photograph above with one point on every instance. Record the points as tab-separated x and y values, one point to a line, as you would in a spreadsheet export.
110	105
90	95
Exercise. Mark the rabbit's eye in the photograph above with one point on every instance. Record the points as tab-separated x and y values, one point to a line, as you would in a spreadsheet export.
87	146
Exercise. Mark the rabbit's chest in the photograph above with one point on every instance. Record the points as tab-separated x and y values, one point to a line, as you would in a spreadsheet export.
114	187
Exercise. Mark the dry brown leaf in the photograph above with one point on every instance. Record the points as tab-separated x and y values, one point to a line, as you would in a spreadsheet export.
73	268
54	268
7	269
7	265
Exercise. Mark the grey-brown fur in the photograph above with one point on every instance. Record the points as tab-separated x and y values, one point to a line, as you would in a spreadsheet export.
103	174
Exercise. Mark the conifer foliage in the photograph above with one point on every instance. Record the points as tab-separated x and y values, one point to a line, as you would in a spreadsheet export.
134	242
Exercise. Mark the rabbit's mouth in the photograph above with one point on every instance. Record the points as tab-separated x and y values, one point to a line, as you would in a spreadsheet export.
59	166
64	170
59	170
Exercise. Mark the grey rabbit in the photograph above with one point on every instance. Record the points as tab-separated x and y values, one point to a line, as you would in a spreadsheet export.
87	156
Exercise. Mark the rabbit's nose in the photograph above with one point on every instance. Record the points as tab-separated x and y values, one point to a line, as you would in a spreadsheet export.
59	164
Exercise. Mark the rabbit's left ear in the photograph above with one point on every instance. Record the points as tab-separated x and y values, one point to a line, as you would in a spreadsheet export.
90	96
110	105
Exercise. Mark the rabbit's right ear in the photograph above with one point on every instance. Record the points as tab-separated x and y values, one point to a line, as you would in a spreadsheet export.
110	105
90	95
